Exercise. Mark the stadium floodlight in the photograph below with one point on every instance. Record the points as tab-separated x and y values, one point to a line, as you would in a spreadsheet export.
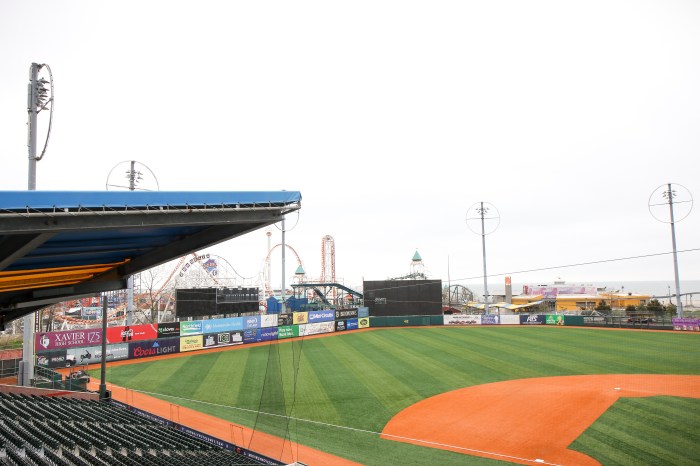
663	203
483	218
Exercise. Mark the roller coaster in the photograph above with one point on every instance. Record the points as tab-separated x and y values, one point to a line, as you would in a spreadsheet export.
155	287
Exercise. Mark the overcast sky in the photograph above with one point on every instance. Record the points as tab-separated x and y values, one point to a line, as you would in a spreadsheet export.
392	118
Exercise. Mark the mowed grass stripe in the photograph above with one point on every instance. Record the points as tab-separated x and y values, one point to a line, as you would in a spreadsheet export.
223	373
655	430
329	390
462	351
428	379
252	378
397	355
646	413
188	377
350	383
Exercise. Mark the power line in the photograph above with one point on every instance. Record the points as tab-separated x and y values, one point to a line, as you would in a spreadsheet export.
602	261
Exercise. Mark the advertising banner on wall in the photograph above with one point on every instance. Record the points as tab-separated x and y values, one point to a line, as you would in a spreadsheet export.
686	324
190	327
490	319
251	335
532	320
301	317
170	329
222	325
552	319
317	328
288	331
362	312
460	319
223	339
324	315
285	319
363	322
268	334
128	333
93	354
510	319
251	322
346	314
351	324
340	325
67	339
52	359
146	349
269	320
191	343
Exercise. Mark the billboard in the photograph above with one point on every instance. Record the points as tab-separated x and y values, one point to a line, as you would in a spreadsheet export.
221	325
191	327
93	354
460	319
288	331
251	336
67	339
325	315
52	359
223	339
128	333
285	319
269	334
553	319
403	297
170	329
686	324
191	343
317	328
346	314
532	319
145	349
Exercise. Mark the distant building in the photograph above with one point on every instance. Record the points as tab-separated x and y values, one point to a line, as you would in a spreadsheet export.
563	297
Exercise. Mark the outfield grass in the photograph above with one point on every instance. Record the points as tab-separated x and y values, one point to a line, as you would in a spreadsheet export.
359	380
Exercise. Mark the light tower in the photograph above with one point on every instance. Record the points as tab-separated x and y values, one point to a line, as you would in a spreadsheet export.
38	99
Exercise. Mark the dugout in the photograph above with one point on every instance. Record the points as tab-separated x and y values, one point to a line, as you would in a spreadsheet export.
403	297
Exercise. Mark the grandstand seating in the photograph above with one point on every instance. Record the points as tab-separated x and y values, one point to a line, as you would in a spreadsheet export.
60	431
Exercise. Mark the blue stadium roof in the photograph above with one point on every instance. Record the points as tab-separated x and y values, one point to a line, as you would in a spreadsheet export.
55	245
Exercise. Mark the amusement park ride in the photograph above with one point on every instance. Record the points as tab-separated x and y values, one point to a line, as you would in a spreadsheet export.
154	289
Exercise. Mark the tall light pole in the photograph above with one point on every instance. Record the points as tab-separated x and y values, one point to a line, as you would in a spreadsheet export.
673	196
39	98
477	217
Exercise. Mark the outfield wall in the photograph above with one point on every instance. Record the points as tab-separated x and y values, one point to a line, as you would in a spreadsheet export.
84	346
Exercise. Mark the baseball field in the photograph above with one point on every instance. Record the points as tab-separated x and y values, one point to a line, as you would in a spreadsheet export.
452	395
